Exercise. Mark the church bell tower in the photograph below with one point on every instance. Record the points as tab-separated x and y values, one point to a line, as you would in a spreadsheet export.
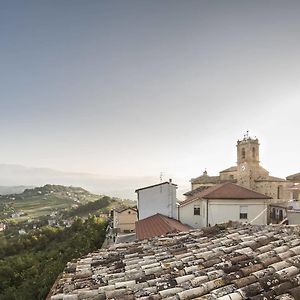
247	161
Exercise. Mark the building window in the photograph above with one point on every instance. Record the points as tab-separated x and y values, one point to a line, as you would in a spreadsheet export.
279	192
273	214
243	212
243	153
196	210
253	152
129	212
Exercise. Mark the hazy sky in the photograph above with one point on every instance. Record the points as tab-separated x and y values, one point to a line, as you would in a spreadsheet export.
133	88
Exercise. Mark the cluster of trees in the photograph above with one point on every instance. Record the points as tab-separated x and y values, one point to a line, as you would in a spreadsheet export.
102	204
30	264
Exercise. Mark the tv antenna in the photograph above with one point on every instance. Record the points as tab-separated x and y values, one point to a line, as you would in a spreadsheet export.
161	177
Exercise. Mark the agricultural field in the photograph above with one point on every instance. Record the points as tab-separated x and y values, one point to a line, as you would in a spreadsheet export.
42	201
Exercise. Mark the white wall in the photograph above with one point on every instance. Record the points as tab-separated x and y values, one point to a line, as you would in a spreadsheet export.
221	211
158	199
293	217
186	214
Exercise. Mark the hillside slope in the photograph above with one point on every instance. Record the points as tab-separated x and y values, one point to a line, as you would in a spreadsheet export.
36	202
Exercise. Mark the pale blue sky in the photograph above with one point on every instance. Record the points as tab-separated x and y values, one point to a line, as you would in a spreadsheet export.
133	88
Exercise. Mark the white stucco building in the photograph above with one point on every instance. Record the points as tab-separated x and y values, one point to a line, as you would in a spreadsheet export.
222	203
159	198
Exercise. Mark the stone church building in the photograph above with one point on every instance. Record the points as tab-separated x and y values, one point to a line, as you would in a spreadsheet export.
247	173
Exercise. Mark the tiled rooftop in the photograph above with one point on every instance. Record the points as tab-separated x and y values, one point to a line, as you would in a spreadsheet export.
226	190
158	225
249	262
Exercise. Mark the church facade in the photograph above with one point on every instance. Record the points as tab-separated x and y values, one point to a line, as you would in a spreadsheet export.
247	173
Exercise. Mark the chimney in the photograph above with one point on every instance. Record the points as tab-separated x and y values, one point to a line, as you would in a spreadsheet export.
170	180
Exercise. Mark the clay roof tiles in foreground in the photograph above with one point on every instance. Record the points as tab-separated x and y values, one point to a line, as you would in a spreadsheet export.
249	262
158	225
225	191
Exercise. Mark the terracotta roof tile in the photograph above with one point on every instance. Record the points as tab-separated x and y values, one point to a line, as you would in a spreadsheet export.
225	191
157	225
208	264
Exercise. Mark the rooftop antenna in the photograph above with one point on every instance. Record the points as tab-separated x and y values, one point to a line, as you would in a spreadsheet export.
161	177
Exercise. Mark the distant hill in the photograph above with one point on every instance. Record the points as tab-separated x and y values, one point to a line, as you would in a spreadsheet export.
6	190
122	187
40	201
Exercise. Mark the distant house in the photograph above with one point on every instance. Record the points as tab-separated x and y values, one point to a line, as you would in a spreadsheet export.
16	215
67	223
295	186
293	214
277	212
159	198
222	203
158	225
52	222
2	226
124	219
285	212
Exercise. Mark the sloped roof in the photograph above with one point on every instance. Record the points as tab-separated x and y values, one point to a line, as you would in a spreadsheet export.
157	225
206	179
123	208
231	169
294	177
154	185
225	191
249	262
270	179
195	191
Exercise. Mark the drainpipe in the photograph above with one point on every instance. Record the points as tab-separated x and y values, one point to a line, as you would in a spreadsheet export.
170	200
206	212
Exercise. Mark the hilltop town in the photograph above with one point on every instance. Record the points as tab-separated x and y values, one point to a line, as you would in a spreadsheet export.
230	231
244	193
234	237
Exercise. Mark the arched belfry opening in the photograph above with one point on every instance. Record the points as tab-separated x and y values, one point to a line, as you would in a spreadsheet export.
243	153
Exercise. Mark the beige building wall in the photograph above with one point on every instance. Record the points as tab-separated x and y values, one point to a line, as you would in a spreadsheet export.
276	190
228	175
125	221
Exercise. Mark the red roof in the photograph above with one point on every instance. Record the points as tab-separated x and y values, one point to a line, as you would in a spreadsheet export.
225	191
157	225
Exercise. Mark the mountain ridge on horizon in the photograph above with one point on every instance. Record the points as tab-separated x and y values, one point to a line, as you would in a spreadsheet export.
13	175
